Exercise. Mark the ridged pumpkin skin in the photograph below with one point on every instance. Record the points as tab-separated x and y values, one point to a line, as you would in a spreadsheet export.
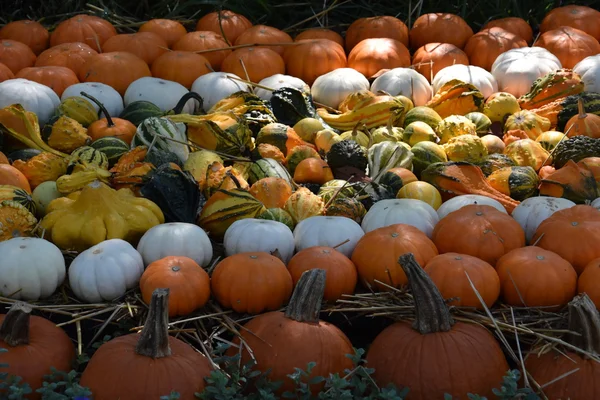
516	182
550	87
589	280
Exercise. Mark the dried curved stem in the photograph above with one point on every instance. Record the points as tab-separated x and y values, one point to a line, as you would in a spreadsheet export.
305	304
584	320
14	330
154	339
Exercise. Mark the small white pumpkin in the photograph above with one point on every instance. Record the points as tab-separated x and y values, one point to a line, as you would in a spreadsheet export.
109	97
251	234
279	81
43	194
589	70
105	271
515	70
412	212
30	268
477	76
406	82
33	96
458	202
531	212
176	239
160	92
215	86
333	87
596	203
328	231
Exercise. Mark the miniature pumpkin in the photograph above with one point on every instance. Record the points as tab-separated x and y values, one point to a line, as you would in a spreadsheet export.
576	16
262	34
429	59
332	88
88	29
583	123
267	236
376	27
320	33
588	281
486	45
569	44
31	33
146	45
183	67
209	45
312	58
372	55
55	77
515	25
253	63
458	202
412	212
110	127
20	96
5	73
16	55
226	22
251	282
312	170
101	68
169	30
440	28
339	232
69	55
107	95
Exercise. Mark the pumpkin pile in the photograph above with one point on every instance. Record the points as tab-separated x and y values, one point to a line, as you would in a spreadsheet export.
204	174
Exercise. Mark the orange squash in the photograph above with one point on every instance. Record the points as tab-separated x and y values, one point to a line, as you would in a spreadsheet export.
9	175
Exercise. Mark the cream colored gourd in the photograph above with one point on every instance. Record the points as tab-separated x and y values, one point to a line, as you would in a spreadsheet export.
279	81
412	212
251	235
43	194
109	97
477	76
333	87
215	86
458	202
534	210
328	231
33	96
162	93
406	82
589	70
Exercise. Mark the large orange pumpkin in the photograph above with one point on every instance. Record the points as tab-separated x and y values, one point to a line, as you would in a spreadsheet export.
432	355
70	55
263	34
370	56
5	73
432	57
320	33
224	22
589	281
479	231
204	42
9	175
253	63
581	17
376	27
31	33
88	29
569	45
515	25
571	233
485	46
440	28
117	69
146	45
16	55
312	58
56	78
168	29
180	66
376	254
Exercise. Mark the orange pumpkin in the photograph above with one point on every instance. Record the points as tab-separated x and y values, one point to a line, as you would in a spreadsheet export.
5	73
224	22
479	231
263	34
579	17
56	78
583	123
108	126
146	45
70	55
440	28
312	58
88	29
320	33
31	33
16	55
376	27
188	283
589	281
569	45
432	57
485	46
251	283
9	175
535	277
3	158
273	192
183	67
253	63
376	254
204	42
449	273
572	234
370	56
515	25
117	69
313	170
168	29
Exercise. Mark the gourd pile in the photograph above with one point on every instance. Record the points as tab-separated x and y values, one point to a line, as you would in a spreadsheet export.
187	166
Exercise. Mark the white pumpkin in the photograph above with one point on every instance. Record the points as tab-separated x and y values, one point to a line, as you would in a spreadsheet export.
412	212
33	96
109	97
477	76
596	203
459	202
589	70
105	271
515	70
251	234
328	231
30	268
215	86
531	212
279	81
160	92
176	239
406	82
333	87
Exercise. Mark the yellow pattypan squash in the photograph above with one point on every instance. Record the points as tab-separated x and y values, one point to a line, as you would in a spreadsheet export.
97	213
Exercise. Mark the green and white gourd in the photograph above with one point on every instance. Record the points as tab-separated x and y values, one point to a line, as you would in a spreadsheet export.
162	134
385	156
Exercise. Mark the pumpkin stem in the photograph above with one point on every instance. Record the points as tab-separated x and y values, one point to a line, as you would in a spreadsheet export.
182	102
581	109
584	320
432	314
103	109
305	304
15	327
154	339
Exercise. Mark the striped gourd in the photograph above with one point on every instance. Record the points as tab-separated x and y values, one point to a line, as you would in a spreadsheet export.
153	131
112	147
560	111
423	114
90	156
265	168
14	193
279	215
78	108
516	182
385	156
